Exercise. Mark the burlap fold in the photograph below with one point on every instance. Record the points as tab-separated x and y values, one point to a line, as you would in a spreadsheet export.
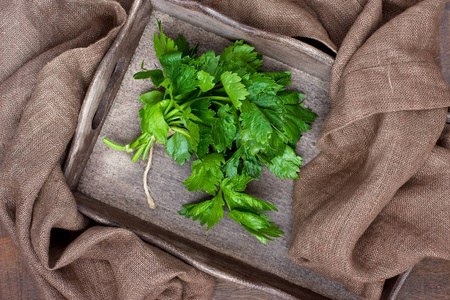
373	203
377	199
51	53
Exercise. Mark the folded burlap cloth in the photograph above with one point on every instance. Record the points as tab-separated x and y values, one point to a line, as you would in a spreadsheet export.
49	53
373	203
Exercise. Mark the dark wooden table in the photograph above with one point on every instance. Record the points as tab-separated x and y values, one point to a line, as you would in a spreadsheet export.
430	279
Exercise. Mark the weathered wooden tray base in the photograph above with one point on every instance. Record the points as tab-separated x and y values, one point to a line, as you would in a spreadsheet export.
227	250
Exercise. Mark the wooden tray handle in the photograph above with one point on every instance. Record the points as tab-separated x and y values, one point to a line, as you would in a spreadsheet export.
103	89
109	94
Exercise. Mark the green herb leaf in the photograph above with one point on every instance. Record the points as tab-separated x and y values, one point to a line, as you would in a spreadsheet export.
163	44
153	122
284	113
282	78
182	45
185	82
178	147
209	212
232	117
156	76
209	63
252	166
255	125
151	98
257	83
171	64
232	166
232	189
205	81
241	56
204	142
206	174
286	164
224	129
201	109
258	225
234	88
256	131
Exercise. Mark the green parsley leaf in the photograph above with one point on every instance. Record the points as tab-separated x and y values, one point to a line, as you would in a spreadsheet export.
224	129
209	212
206	174
232	165
209	63
256	130
201	109
258	225
241	56
171	64
185	82
257	83
237	183
241	201
282	78
178	147
286	164
151	97
163	44
153	122
245	202
232	117
205	81
234	88
156	76
284	113
204	142
252	166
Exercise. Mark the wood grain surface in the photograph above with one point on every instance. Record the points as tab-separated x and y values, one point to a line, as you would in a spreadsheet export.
3	232
430	279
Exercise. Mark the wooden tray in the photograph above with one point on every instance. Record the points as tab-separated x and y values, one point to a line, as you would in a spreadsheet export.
107	185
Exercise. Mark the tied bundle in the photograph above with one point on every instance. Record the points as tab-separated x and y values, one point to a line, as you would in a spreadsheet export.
232	116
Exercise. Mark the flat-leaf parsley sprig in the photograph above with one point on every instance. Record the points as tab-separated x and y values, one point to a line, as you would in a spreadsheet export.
233	117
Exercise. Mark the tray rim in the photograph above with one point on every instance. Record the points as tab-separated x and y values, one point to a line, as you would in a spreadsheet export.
113	65
195	9
184	249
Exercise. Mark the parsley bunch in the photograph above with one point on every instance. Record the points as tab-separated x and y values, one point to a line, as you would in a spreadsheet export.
232	116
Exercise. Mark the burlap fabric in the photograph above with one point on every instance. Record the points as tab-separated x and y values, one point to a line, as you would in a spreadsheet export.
377	199
374	202
50	50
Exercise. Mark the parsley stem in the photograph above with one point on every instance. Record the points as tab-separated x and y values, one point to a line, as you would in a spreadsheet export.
172	118
147	148
175	123
169	106
172	113
182	131
168	115
218	98
136	142
138	153
114	145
